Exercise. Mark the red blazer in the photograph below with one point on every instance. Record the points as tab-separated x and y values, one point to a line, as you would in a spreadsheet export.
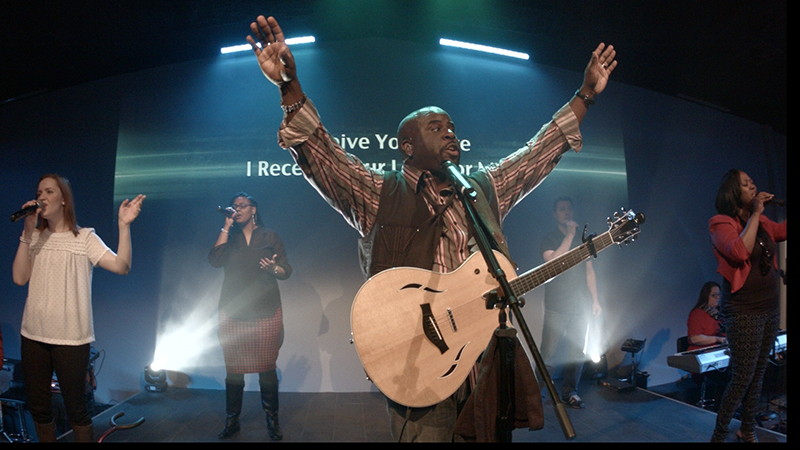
732	257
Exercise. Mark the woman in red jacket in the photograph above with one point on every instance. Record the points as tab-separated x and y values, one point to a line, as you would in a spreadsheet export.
745	245
706	326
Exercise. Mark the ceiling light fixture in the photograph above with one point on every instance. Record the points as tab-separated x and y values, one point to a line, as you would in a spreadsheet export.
245	47
483	48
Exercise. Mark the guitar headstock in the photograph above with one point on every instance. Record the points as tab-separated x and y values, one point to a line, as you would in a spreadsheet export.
624	226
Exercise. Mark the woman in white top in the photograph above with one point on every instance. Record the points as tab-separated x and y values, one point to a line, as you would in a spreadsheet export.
55	258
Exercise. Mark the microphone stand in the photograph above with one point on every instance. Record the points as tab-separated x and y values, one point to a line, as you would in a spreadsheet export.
507	298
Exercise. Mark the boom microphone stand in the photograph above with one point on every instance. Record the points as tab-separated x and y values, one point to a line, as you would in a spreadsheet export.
507	299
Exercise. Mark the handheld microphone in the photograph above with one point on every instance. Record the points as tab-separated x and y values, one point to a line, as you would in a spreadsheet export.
458	180
227	212
776	201
26	211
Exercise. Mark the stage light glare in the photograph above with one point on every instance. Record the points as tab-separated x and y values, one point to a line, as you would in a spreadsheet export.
596	369
183	346
483	48
183	343
245	47
155	380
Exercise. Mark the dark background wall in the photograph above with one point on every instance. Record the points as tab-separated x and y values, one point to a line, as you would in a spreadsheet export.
197	123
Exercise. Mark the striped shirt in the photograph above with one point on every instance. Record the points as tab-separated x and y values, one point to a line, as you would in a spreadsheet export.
354	189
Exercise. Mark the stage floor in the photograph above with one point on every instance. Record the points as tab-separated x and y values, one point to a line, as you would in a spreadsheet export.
197	415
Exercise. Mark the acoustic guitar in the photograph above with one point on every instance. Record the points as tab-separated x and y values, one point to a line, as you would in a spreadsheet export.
418	332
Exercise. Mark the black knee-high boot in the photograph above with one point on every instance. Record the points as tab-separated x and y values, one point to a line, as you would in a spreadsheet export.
268	382
233	407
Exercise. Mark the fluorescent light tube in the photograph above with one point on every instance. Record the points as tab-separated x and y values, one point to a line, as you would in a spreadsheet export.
483	48
245	47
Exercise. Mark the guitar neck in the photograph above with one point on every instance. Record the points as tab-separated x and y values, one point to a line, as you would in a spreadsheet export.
540	275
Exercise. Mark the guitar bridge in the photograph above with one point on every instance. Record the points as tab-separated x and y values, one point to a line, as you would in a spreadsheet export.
431	328
452	320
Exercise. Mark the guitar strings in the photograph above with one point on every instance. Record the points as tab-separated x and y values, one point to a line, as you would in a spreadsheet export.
468	313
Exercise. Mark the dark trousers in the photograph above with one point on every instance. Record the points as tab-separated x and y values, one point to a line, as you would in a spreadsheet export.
430	424
751	338
69	362
563	337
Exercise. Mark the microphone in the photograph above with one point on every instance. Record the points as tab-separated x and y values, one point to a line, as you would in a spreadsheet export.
227	212
776	201
26	211
461	184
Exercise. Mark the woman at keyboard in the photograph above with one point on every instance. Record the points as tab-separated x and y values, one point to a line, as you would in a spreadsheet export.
706	325
706	328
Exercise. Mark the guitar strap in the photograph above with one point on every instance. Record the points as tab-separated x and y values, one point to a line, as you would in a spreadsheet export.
488	212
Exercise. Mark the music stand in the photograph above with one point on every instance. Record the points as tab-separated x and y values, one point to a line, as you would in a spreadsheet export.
632	346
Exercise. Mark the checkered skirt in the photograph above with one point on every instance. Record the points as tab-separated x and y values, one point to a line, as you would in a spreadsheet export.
250	346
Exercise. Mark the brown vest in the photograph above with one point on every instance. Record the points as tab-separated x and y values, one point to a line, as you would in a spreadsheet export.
405	234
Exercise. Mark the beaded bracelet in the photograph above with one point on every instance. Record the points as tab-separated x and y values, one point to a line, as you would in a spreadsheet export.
223	230
295	106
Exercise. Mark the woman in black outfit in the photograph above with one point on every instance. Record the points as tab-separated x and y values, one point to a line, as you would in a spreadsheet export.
250	316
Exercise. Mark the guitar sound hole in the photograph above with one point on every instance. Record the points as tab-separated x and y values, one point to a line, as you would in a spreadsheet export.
419	286
456	361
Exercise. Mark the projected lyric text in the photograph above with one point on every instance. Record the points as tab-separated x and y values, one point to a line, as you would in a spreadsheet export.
268	169
357	143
